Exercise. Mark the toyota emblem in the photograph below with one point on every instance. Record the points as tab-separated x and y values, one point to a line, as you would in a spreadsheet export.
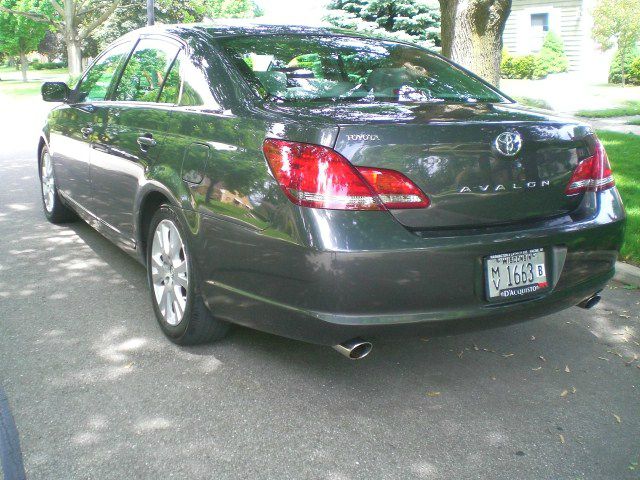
508	143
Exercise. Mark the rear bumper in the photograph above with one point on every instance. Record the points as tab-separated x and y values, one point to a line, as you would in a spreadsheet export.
332	328
352	282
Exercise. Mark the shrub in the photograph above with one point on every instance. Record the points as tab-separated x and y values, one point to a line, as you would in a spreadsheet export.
552	56
615	71
527	66
634	72
35	65
551	59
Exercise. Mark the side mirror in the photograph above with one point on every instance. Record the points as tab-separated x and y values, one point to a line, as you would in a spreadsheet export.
55	92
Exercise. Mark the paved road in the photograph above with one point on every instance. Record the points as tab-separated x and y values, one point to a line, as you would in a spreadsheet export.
98	393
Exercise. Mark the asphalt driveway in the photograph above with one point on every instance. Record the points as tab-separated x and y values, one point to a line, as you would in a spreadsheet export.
98	393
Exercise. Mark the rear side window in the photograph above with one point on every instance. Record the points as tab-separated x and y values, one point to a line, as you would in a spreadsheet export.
180	85
330	68
146	70
96	82
172	85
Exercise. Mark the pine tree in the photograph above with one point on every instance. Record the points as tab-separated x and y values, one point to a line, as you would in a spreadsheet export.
552	56
417	21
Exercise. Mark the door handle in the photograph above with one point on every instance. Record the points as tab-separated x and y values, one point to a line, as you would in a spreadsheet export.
146	141
86	131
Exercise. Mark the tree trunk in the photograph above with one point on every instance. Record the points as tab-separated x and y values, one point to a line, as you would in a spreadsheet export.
151	15
24	63
622	69
472	34
71	37
74	56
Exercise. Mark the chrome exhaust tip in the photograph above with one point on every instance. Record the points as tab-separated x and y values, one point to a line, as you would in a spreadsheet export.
354	349
590	302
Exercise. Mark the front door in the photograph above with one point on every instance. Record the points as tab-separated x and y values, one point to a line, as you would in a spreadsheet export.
129	134
73	131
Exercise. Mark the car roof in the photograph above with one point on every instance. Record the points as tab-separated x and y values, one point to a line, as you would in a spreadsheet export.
230	28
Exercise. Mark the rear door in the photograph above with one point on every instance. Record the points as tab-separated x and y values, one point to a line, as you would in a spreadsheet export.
74	130
130	133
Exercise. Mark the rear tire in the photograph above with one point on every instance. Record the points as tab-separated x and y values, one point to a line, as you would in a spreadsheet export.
54	209
177	302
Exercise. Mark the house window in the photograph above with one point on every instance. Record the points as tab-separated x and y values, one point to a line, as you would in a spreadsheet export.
539	29
540	22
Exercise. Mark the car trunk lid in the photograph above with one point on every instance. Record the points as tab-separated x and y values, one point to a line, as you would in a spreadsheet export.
454	159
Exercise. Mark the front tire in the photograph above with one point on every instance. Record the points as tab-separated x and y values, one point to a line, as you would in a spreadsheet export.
54	209
177	302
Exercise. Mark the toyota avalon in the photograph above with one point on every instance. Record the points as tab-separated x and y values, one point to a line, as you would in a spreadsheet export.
327	186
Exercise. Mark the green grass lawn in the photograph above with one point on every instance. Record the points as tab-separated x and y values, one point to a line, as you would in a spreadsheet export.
15	74
624	155
11	83
630	107
15	88
532	102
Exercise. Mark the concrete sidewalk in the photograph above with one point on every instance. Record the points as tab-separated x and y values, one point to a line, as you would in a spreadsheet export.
569	92
615	124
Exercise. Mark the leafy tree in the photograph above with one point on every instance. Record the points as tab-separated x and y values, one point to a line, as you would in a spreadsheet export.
52	46
616	68
472	34
20	35
233	9
410	20
617	22
75	19
168	11
127	19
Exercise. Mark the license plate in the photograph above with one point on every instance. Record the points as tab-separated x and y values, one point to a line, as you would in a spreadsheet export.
515	274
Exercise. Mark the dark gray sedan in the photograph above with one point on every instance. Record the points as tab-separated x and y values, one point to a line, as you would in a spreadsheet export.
327	187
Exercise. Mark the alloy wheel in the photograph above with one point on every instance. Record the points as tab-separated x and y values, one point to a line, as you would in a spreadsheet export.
48	182
169	272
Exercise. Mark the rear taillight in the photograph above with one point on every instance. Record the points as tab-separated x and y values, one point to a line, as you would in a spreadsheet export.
592	174
319	177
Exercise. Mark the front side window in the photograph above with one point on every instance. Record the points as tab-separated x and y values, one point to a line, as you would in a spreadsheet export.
332	68
96	82
146	70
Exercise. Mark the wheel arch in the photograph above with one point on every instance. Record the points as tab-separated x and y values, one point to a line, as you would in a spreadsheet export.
42	142
148	200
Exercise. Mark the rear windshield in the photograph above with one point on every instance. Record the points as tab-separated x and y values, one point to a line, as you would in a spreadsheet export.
339	68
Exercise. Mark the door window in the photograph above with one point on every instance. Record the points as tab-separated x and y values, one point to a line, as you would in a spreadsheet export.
96	82
145	73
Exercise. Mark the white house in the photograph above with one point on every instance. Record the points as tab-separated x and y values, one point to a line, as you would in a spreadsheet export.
572	20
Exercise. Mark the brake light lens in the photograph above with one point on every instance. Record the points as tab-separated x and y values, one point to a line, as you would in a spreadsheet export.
319	177
593	174
393	188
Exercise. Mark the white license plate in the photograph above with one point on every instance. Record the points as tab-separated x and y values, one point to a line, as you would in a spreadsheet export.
515	274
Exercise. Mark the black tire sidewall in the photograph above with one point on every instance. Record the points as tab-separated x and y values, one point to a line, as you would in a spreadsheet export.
175	332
